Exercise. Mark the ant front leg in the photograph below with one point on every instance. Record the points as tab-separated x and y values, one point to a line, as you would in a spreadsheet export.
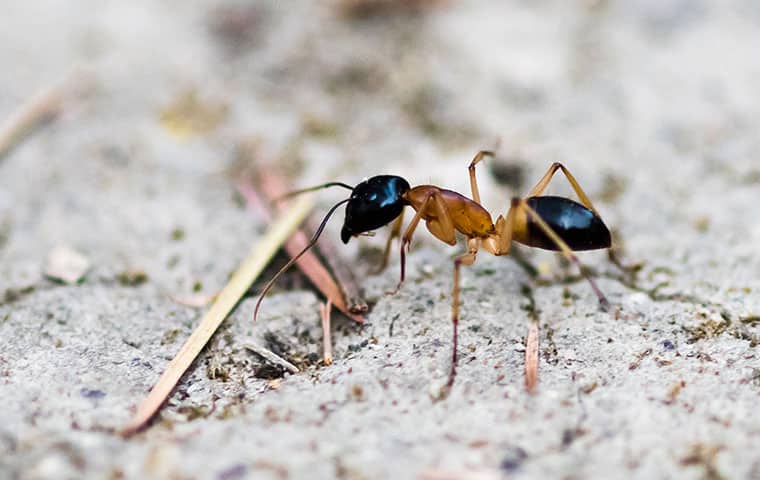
442	225
395	232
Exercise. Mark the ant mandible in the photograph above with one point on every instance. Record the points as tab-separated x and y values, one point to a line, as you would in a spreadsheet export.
541	221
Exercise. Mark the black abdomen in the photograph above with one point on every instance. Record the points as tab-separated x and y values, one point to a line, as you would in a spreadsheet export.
577	225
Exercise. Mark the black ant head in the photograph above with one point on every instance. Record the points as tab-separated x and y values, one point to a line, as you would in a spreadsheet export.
373	203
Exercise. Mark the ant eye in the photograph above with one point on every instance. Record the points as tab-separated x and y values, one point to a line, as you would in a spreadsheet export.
374	203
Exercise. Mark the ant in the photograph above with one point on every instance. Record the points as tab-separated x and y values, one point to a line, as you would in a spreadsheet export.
540	221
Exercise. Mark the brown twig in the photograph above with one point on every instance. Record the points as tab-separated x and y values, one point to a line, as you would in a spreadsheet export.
258	258
343	275
531	358
324	312
273	187
194	301
272	357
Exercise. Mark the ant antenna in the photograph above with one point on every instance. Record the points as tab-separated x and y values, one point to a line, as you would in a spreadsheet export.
311	189
294	259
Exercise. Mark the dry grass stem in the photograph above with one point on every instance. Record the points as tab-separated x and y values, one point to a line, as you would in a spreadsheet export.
273	187
343	275
258	258
272	357
531	358
324	312
194	301
41	108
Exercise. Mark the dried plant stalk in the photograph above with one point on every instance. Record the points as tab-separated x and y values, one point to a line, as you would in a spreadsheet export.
531	358
39	109
344	275
324	312
272	357
272	188
258	258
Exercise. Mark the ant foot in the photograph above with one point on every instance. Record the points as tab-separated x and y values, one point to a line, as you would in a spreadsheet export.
440	393
394	291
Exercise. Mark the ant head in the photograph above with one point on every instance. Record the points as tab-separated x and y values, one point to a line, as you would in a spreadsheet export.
374	202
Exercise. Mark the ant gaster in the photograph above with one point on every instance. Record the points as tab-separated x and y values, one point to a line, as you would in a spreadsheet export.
547	222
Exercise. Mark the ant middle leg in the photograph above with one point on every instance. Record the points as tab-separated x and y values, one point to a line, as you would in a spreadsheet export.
465	259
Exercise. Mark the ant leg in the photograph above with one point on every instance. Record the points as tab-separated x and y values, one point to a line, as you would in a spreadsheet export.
541	186
501	243
395	232
442	227
465	259
544	182
473	181
405	241
566	251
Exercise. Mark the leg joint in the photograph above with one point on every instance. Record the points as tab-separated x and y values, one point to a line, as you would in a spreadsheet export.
478	157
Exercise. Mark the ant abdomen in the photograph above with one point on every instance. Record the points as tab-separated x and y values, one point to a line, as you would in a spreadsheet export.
579	226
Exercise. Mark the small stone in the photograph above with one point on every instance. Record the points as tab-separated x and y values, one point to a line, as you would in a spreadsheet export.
66	265
92	393
513	459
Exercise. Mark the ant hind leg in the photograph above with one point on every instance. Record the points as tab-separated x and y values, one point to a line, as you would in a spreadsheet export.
505	231
604	304
544	182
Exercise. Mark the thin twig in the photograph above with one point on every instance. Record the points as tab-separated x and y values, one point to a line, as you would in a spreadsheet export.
343	275
324	312
258	258
272	187
41	108
270	356
194	301
531	358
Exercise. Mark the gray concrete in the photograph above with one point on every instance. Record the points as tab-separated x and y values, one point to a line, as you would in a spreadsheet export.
652	104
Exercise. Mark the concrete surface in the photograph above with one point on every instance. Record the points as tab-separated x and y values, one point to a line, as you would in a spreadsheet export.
652	104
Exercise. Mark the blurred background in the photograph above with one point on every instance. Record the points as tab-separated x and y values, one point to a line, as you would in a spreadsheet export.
126	126
634	97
